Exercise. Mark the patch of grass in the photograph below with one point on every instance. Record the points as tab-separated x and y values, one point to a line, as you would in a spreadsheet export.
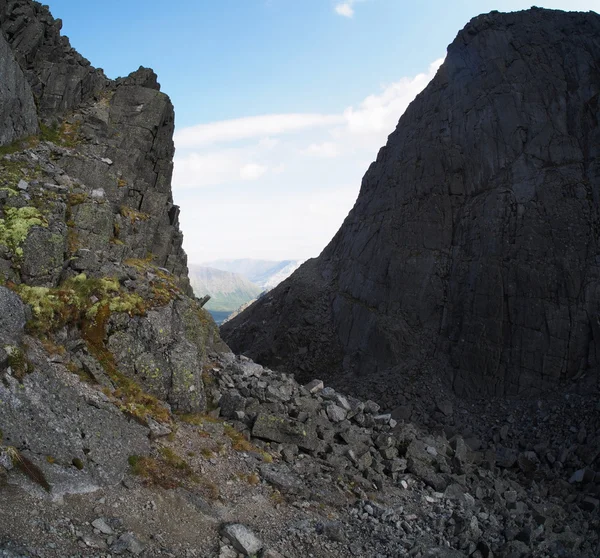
52	348
76	198
251	478
19	145
239	443
27	467
18	362
207	453
12	170
165	472
174	460
65	134
133	215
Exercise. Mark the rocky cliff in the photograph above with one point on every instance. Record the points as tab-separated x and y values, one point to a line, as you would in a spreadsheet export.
93	274
473	247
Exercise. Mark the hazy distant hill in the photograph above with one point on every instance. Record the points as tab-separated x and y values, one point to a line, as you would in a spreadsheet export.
228	290
265	273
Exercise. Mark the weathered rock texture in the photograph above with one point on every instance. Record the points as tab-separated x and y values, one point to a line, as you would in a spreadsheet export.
474	240
17	107
91	258
60	77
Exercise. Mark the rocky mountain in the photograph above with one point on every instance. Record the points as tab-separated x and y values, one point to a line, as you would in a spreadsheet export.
228	290
128	428
265	273
90	259
472	250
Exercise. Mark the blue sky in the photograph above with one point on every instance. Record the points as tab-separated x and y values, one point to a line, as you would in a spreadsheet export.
280	104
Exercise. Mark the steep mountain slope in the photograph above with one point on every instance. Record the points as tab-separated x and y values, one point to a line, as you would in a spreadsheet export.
228	290
473	247
90	260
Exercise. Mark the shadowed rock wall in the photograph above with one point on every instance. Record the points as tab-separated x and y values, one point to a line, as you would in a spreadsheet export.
474	242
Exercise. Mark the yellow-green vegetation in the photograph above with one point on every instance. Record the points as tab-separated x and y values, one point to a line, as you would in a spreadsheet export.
16	224
79	300
250	478
174	460
76	198
133	215
89	303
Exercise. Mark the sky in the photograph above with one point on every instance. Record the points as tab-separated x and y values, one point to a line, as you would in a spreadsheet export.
280	105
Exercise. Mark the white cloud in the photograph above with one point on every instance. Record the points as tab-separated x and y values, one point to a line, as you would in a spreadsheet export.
345	9
374	115
283	191
326	149
250	127
252	171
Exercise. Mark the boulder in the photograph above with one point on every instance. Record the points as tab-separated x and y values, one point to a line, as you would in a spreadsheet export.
284	430
12	317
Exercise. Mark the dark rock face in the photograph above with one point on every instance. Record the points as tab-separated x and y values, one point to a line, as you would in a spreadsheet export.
17	108
60	77
474	242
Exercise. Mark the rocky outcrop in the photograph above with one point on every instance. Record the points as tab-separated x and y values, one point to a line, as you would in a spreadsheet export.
101	338
473	246
60	77
17	107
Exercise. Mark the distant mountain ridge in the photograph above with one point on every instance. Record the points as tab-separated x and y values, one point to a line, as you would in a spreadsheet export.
228	291
265	273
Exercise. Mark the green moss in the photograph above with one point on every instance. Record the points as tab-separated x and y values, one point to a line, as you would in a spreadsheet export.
16	225
65	134
18	145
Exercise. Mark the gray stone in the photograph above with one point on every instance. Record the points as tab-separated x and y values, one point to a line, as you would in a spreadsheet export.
281	477
242	538
314	386
62	417
285	431
505	457
128	542
12	317
334	530
335	413
102	526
